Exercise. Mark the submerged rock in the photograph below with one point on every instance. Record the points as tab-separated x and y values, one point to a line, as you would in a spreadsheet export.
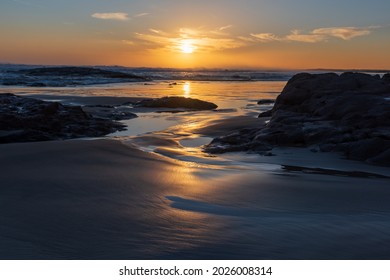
348	113
26	119
177	102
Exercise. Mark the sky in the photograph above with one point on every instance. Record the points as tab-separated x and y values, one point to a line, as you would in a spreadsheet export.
272	34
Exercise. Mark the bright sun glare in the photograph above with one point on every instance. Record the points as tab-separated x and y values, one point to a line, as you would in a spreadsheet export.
186	46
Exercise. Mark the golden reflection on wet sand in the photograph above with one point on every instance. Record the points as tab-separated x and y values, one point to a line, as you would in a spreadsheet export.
184	216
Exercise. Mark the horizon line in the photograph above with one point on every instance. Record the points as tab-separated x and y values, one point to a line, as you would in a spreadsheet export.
233	68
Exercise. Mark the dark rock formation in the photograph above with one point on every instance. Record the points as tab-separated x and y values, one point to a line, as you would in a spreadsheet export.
66	76
26	119
177	102
117	113
265	101
349	113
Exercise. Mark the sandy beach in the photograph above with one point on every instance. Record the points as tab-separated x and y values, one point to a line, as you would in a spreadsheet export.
103	199
152	190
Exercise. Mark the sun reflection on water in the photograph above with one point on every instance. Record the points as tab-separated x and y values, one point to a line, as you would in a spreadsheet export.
187	89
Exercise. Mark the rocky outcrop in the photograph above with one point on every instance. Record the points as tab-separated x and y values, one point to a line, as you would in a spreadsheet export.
266	101
117	113
348	113
26	119
78	72
66	76
177	102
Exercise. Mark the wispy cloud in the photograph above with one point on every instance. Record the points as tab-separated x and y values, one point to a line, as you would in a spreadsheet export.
225	27
204	40
155	31
189	32
111	16
201	40
266	37
316	35
345	33
141	14
128	42
305	38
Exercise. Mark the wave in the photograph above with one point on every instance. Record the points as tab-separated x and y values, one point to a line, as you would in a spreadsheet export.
62	76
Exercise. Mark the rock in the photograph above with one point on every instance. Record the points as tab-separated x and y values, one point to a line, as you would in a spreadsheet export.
265	101
37	85
26	119
66	76
177	102
78	72
265	114
348	113
386	78
116	113
366	149
381	159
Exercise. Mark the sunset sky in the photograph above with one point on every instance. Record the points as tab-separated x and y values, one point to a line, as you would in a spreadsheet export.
219	33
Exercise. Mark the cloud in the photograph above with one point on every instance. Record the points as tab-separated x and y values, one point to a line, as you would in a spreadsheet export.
247	39
128	42
141	15
221	31
204	40
266	37
314	36
111	16
201	40
155	31
305	38
189	32
225	27
345	33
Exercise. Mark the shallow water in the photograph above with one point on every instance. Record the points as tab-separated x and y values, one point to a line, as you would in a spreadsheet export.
232	98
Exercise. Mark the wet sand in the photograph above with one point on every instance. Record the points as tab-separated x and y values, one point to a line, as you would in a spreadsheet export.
103	199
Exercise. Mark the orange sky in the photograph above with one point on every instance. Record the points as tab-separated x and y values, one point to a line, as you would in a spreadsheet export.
226	34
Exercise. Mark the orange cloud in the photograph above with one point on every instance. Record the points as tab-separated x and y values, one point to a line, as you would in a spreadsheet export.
345	33
315	36
112	16
201	40
266	37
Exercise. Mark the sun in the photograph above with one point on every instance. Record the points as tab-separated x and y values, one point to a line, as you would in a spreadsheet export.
186	46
